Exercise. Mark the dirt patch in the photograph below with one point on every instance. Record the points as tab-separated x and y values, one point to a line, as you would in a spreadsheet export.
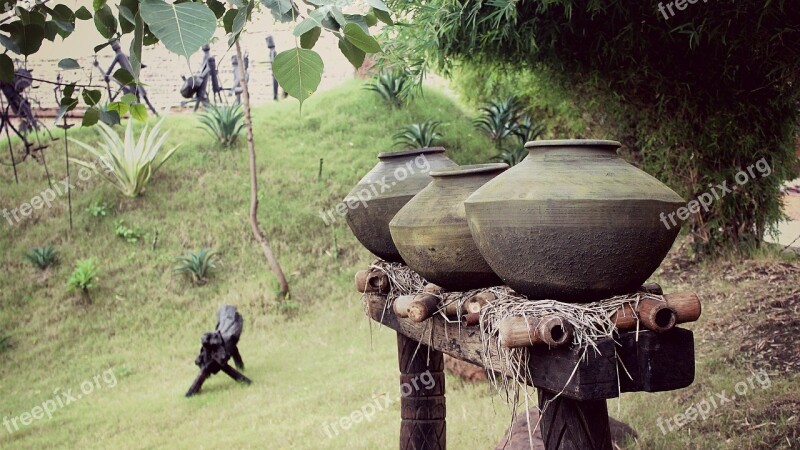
773	340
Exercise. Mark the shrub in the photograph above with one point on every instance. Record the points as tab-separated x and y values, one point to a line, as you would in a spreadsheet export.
499	119
224	123
84	277
129	234
98	209
42	257
197	266
392	87
418	135
129	162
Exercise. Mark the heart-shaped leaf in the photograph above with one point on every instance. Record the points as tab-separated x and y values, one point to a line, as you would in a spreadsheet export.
182	27
356	36
68	64
298	71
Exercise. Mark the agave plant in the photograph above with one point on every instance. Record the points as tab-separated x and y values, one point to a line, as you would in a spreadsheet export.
224	123
129	162
42	257
197	266
418	135
526	130
499	119
512	156
392	87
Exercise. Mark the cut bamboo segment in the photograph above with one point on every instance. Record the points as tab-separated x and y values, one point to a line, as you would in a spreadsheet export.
401	304
471	319
518	331
686	305
656	315
422	307
625	318
476	302
453	309
431	288
372	282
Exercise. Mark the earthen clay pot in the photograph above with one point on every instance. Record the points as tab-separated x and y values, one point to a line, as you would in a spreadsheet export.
432	234
375	200
573	222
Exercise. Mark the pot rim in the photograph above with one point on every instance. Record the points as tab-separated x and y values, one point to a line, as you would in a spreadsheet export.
603	143
409	152
470	169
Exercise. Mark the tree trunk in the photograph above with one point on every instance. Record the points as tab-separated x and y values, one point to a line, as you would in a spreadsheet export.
265	247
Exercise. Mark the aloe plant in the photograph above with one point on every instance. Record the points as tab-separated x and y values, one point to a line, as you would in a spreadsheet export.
223	122
418	135
42	257
197	266
499	119
130	162
512	156
392	87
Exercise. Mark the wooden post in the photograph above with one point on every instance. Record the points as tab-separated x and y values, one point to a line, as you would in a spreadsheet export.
422	406
568	424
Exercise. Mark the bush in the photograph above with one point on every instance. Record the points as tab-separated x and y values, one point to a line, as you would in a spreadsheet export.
84	277
42	257
197	266
224	123
695	98
130	162
393	87
418	135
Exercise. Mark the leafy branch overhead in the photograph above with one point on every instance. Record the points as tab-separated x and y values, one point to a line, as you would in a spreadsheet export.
183	27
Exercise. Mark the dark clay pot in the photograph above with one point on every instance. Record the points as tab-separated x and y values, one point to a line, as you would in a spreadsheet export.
432	234
375	200
573	222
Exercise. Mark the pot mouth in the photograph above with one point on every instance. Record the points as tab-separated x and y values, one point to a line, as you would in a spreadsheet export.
410	152
471	169
601	143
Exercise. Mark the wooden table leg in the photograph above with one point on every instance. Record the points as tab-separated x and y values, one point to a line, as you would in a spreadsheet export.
568	424
422	402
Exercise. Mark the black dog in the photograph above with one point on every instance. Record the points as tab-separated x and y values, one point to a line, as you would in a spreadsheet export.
218	347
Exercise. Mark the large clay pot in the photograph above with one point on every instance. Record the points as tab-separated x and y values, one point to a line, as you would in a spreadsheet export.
573	222
432	234
375	200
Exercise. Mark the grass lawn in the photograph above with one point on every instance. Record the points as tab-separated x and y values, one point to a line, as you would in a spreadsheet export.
313	358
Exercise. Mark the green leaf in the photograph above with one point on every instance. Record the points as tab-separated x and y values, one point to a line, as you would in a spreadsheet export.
358	20
69	103
183	27
310	37
128	99
378	5
370	19
9	43
120	107
68	64
27	38
139	112
227	20
124	77
282	10
298	71
356	36
97	4
105	22
91	96
68	90
126	19
136	46
109	118
63	13
353	54
99	47
239	21
83	14
315	19
90	117
217	7
51	30
383	16
6	68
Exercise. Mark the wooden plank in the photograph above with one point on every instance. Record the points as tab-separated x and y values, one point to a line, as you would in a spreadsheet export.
657	362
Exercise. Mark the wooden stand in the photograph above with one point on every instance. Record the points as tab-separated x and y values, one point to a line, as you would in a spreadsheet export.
577	418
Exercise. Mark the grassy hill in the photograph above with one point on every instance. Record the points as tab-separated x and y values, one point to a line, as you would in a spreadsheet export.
313	358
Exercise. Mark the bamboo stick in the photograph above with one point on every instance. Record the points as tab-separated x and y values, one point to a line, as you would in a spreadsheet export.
656	315
434	289
471	319
476	302
422	307
372	282
401	304
686	305
519	331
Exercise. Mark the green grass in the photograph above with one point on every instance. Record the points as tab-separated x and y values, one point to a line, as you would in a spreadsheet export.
311	367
